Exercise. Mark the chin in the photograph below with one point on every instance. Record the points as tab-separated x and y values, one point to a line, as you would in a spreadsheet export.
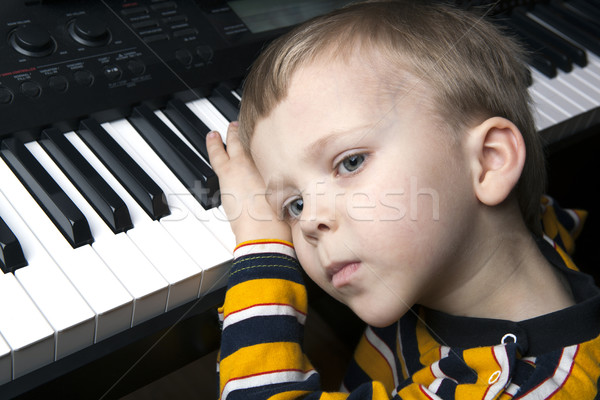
379	320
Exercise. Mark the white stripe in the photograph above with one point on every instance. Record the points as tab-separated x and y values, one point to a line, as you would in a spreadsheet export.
265	379
501	381
576	220
401	352
383	348
512	389
257	248
438	373
263	311
560	375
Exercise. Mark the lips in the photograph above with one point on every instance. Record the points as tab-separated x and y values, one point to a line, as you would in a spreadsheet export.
341	273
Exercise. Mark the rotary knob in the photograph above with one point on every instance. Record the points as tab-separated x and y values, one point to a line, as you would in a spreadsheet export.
32	40
89	31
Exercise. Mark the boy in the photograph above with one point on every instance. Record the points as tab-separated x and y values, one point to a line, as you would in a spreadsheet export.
392	144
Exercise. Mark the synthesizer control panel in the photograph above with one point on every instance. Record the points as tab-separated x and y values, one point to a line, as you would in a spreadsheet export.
63	60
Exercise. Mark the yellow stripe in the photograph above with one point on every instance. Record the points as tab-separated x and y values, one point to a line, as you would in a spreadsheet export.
429	348
584	375
484	364
295	394
373	363
263	358
265	291
261	241
565	257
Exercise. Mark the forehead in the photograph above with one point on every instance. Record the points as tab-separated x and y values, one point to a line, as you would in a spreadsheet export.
324	95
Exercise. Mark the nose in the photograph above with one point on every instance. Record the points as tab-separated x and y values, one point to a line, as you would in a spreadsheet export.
318	218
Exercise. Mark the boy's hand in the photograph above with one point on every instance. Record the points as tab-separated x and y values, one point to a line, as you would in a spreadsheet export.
243	190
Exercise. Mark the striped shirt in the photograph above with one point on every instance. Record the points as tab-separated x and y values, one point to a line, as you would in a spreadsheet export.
425	355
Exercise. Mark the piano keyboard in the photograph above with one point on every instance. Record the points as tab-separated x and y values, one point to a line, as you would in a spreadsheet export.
136	229
76	292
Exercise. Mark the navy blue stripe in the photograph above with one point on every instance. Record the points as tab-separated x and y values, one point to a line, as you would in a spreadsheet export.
447	389
265	266
258	330
389	336
545	367
355	376
455	366
408	337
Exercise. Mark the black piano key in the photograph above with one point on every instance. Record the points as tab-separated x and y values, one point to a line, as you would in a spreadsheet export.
225	102
589	10
538	52
11	253
111	208
573	32
137	182
193	172
541	49
69	220
190	126
581	21
572	50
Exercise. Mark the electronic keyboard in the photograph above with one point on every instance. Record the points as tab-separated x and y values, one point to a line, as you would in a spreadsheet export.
111	228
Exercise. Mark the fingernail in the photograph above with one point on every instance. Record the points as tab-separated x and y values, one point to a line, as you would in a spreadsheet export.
235	124
212	134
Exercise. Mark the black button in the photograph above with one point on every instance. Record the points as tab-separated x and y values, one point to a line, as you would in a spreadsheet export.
113	72
185	32
84	78
169	5
58	83
128	12
183	56
6	96
136	67
204	52
156	38
31	89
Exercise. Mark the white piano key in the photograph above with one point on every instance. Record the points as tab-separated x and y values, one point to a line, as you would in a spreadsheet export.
206	237
168	122
26	331
132	268
111	303
5	362
61	304
564	84
542	121
566	107
210	116
236	95
170	260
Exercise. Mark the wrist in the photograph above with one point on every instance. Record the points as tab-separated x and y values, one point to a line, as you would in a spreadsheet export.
259	231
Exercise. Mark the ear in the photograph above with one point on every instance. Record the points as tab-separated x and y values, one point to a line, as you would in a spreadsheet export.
497	153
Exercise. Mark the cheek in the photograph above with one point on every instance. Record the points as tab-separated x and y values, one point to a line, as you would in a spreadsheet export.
306	254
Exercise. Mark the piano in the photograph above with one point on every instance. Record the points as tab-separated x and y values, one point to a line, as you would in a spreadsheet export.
111	233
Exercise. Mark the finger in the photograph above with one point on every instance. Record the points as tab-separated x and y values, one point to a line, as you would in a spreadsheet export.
233	140
217	154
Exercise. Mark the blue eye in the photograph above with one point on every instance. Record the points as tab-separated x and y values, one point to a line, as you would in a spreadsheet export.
351	163
294	208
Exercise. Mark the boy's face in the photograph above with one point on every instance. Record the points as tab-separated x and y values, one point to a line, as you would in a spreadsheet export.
378	200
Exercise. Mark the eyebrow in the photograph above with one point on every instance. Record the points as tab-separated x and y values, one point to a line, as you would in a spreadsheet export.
315	149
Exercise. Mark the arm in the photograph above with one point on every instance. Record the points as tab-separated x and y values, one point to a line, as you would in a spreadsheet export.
265	305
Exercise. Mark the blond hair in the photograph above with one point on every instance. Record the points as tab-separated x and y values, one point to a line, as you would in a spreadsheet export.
473	70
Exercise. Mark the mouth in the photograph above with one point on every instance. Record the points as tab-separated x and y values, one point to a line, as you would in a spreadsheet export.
340	273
